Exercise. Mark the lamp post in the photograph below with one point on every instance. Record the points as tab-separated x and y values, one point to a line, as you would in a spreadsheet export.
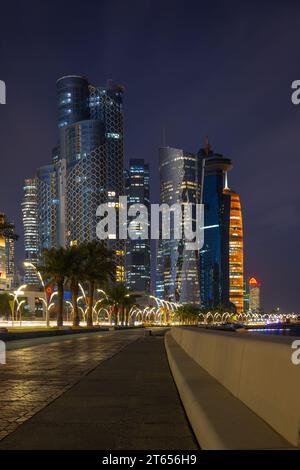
18	310
30	265
15	295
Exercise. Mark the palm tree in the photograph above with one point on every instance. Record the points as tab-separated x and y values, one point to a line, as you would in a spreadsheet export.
4	305
98	267
129	301
118	298
54	267
188	313
75	273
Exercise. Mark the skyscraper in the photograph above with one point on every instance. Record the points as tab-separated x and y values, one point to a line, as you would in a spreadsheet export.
246	296
254	287
214	276
91	147
8	234
47	206
31	234
236	252
177	267
86	168
3	278
138	252
214	256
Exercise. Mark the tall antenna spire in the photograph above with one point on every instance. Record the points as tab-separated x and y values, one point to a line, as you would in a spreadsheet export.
226	180
207	146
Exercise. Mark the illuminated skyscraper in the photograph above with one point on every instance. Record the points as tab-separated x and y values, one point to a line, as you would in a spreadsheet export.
214	257
138	273
31	235
48	206
177	268
86	168
254	287
3	277
213	277
236	252
8	234
246	296
91	143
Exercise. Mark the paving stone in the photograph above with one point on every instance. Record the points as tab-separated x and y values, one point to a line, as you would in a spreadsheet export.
128	401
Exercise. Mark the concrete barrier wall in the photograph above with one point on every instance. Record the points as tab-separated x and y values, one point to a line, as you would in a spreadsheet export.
255	368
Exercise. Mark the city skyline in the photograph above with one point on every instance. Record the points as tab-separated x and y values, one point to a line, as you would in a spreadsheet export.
90	153
149	230
258	95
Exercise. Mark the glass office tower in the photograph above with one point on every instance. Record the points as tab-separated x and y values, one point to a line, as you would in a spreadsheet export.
177	268
213	277
214	256
8	235
3	278
48	206
31	234
91	137
86	170
138	252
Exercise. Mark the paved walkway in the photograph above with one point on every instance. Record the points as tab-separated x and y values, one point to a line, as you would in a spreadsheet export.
129	401
35	375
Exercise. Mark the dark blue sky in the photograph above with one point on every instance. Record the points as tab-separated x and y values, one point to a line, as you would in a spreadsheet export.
194	67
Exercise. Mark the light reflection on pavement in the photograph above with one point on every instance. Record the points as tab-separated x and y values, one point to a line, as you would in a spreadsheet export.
36	375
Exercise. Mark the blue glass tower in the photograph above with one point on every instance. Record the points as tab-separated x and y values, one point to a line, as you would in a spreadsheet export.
214	256
138	252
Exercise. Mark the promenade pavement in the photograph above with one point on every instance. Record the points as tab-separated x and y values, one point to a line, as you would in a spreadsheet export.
110	392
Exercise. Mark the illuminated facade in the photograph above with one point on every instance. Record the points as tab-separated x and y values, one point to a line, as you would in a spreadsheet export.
31	233
138	252
47	207
3	279
214	277
91	143
177	268
254	288
8	238
236	252
246	296
214	256
86	170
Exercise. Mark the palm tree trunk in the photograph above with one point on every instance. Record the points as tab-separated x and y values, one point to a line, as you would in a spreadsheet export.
122	315
116	315
74	293
89	319
60	306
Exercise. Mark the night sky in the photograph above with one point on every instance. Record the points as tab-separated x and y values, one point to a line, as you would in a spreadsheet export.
194	67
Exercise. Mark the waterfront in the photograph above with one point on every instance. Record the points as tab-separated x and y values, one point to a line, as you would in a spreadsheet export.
289	330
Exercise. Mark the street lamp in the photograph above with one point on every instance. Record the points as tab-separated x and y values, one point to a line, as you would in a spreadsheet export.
27	264
18	309
15	295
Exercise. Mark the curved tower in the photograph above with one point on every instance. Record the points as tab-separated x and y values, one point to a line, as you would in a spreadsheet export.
236	251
